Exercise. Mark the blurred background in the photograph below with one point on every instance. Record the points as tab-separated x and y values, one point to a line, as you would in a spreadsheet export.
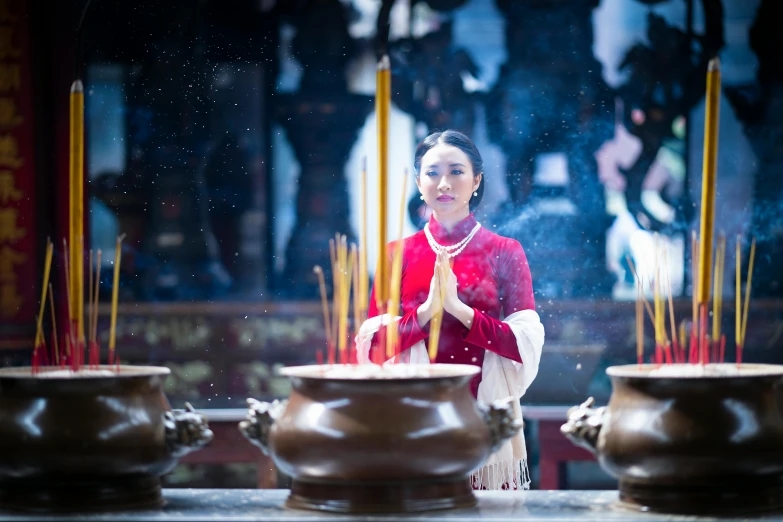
226	139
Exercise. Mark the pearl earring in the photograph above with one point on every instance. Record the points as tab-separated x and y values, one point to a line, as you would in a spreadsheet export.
421	197
475	194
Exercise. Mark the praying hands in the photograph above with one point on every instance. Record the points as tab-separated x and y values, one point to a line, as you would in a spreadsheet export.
443	294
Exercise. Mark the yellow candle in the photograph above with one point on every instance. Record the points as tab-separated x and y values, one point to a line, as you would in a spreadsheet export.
382	109
711	120
76	201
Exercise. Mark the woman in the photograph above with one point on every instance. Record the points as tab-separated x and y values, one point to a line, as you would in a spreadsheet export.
489	315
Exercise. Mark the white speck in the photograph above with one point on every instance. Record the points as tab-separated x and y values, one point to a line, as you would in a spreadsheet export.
579	366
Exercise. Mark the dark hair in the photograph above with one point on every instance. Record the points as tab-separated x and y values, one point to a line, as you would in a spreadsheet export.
463	143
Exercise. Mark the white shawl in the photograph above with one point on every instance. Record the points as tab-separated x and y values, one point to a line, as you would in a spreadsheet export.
501	379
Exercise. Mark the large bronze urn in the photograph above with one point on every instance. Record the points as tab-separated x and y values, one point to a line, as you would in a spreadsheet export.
364	439
689	438
94	440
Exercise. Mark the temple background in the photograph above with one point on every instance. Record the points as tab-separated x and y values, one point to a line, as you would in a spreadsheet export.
226	139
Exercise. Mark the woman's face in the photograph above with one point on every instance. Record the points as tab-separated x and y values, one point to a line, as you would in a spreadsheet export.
447	181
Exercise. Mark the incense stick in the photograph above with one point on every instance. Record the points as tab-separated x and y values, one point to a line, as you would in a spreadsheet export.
738	300
639	325
97	294
747	290
659	317
694	348
324	303
695	277
671	304
94	345
437	317
683	342
363	278
357	295
89	297
68	324
80	341
394	302
335	299
44	287
345	289
640	282
353	260
54	327
396	276
115	292
717	303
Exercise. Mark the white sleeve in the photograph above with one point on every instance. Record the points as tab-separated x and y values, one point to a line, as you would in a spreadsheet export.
416	354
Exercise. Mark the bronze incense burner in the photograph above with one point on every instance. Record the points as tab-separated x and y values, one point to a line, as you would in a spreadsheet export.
96	440
685	440
354	442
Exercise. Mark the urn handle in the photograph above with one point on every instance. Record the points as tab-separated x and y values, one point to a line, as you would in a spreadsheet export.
260	418
584	425
503	418
186	431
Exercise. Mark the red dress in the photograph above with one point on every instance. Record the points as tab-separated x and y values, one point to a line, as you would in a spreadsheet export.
493	278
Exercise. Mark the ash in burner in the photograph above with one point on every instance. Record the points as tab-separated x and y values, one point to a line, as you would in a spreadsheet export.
696	370
373	371
686	371
96	372
79	374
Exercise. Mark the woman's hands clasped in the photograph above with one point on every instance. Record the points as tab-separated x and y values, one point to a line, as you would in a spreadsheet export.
443	294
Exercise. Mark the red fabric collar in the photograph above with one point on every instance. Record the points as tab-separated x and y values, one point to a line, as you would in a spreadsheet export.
459	233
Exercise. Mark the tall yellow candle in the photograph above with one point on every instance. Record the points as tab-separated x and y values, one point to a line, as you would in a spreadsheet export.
76	205
707	225
382	109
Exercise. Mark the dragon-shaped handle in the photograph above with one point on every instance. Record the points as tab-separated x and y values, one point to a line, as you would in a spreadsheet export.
186	431
503	420
584	425
260	418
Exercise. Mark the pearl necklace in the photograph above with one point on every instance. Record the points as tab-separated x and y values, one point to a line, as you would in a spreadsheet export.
450	250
